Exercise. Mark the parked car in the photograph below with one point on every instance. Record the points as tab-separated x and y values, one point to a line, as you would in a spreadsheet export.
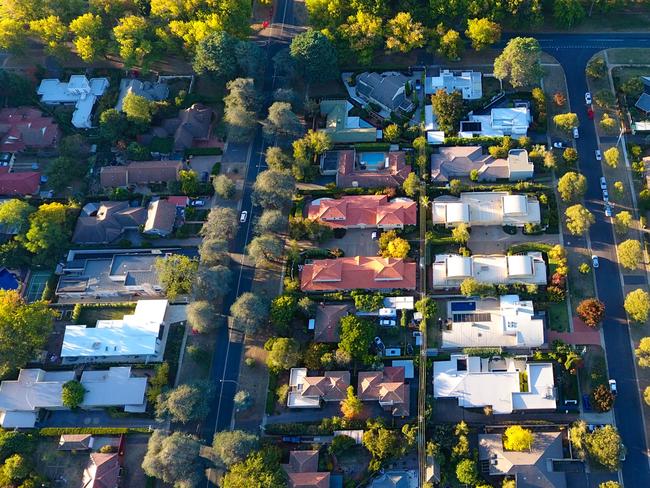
393	351
418	84
590	113
603	183
576	134
387	323
243	216
608	210
379	343
197	203
588	98
205	176
599	156
594	261
612	386
558	145
374	236
418	337
605	196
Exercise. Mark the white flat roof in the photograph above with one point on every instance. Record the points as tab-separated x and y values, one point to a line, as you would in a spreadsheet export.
114	387
33	389
78	90
296	400
541	394
18	420
487	208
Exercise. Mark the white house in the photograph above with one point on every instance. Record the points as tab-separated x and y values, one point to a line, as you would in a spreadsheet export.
511	121
468	83
78	91
496	382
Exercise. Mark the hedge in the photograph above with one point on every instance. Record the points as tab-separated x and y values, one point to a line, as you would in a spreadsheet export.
473	141
529	246
372	146
203	151
56	431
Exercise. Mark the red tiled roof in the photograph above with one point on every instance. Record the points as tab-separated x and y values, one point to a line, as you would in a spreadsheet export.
326	327
140	173
393	176
350	273
309	480
26	127
103	470
303	461
330	387
387	387
363	210
21	183
179	201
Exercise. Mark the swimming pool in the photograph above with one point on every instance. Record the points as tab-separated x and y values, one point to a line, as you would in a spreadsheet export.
373	161
463	306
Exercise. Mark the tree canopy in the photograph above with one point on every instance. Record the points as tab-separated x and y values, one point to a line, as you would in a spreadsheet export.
516	438
273	189
448	109
233	446
283	355
572	186
315	56
630	254
519	62
250	311
483	33
643	352
72	394
186	402
578	219
356	337
176	273
173	458
261	466
637	305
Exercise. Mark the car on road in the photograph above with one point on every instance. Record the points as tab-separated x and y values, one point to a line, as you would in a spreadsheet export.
599	156
558	145
608	210
612	386
588	98
243	216
590	113
603	183
576	134
197	203
605	196
594	261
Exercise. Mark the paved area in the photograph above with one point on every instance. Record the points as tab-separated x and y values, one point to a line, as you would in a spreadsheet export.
494	240
581	334
355	242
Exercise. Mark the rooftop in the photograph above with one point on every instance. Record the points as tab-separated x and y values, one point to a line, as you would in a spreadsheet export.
364	211
24	127
486	208
386	89
328	316
106	222
343	128
501	122
309	391
468	83
387	387
460	161
140	173
392	174
80	91
152	91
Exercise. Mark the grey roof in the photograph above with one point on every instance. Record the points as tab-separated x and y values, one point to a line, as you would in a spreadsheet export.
391	479
386	89
532	469
643	103
110	222
146	89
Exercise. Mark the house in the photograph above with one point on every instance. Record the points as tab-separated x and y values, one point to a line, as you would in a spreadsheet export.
192	125
468	83
135	338
388	90
180	201
309	391
341	127
371	169
395	479
26	128
140	173
539	467
511	121
486	208
505	322
102	471
359	272
152	91
387	387
643	102
364	211
107	222
109	273
76	442
161	216
78	91
505	384
460	161
328	317
302	471
35	389
449	270
21	183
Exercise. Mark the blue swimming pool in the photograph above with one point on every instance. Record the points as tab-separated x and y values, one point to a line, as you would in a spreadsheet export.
373	161
463	306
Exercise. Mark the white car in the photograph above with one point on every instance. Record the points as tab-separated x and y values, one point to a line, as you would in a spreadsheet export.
603	183
599	157
612	386
558	145
197	203
379	343
608	210
605	196
594	261
588	98
576	134
387	323
243	216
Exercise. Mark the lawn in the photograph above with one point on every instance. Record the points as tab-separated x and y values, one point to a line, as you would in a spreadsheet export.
89	315
558	317
630	55
173	349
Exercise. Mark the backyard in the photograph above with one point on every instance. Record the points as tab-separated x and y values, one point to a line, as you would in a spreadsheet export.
90	314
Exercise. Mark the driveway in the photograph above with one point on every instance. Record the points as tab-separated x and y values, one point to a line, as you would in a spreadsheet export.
203	164
493	240
355	242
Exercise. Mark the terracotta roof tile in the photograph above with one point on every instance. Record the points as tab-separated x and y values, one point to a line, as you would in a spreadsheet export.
363	211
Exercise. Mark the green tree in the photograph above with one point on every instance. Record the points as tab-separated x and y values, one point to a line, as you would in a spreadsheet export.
261	466
250	311
630	254
49	231
190	184
277	159
352	406
72	394
403	33
467	472
176	273
427	307
14	215
214	251
158	382
607	123
12	34
273	189
88	34
52	31
222	223
63	170
16	468
460	233
568	13
604	446
134	39
570	156
483	33
637	305
240	111
173	458
392	133
619	189
137	109
471	287
602	398
397	248
283	310
622	222
609	484
451	46
411	184
611	157
572	186
566	122
356	336
201	316
186	402
232	446
271	221
516	438
578	219
224	187
519	62
591	311
315	56
284	354
364	34
646	395
643	352
112	125
282	121
596	68
265	248
448	109
216	54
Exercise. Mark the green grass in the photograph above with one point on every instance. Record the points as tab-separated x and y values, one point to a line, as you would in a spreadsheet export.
558	317
173	349
633	55
271	396
90	315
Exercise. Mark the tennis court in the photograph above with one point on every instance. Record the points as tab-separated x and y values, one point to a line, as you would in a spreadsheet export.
36	285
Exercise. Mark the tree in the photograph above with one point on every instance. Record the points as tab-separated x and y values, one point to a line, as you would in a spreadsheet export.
89	31
397	248
223	186
232	446
579	219
611	157
602	398
643	352
250	311
112	125
604	446
470	287
52	31
315	56
519	62
568	13
566	122
622	222
158	382
630	254
49	231
637	305
281	121
607	123
364	34
264	248
646	395
596	68
467	472
62	170
137	109
271	221
273	189
261	466
277	159
352	406
186	402
285	65
16	468
283	310
283	355
176	274
619	190
392	133
72	393
448	109
572	186
570	156
221	224
403	33
173	458
591	311
549	160
242	401
14	215
12	34
427	307
516	438
356	336
483	33
450	45
460	234
609	484
411	184
250	59
134	39
201	316
240	111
